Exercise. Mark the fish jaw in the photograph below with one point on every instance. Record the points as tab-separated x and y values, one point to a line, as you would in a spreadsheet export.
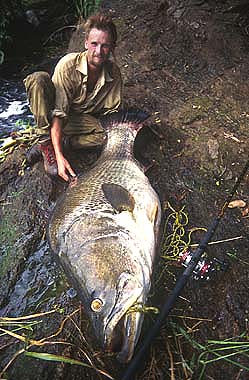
133	324
122	328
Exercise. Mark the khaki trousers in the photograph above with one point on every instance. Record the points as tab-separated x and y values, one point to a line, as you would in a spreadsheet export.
84	131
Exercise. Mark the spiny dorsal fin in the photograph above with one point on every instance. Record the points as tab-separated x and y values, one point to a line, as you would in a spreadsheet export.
132	115
118	197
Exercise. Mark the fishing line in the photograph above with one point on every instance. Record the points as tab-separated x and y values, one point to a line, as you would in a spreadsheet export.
180	283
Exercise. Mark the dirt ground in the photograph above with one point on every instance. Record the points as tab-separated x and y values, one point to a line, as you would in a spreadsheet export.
186	63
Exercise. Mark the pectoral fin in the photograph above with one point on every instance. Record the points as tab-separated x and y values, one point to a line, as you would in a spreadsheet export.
152	213
118	197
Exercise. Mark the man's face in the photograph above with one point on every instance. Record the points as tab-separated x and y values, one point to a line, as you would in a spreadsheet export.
99	47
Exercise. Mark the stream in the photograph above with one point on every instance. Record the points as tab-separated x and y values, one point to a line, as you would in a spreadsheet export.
14	110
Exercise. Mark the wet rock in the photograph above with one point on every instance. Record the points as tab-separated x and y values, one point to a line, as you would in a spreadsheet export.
25	203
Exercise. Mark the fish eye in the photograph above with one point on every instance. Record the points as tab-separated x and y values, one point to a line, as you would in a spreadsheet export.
97	305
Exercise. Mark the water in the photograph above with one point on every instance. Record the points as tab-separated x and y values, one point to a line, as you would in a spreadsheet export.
36	283
14	110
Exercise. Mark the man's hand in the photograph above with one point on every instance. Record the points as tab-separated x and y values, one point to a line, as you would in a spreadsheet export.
64	168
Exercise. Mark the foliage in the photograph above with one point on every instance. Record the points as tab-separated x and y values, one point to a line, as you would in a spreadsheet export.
84	8
12	8
27	136
9	9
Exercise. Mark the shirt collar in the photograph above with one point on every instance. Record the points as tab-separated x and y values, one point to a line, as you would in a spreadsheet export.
81	66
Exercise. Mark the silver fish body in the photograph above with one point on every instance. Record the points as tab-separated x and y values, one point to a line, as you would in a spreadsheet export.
104	231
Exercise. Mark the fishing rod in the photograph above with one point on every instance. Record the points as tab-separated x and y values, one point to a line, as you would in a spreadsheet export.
181	282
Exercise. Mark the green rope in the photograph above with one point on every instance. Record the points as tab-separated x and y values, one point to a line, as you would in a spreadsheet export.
175	243
141	308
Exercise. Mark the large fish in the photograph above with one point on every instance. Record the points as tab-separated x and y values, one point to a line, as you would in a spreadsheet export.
104	231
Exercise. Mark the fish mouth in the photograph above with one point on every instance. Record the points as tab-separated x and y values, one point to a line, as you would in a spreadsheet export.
122	331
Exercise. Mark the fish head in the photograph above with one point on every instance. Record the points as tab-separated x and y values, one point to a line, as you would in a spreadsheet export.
122	326
114	284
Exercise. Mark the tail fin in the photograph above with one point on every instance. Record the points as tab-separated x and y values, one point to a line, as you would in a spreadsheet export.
131	115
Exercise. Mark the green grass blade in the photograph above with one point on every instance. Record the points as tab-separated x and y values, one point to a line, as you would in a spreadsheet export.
64	359
220	357
55	358
223	343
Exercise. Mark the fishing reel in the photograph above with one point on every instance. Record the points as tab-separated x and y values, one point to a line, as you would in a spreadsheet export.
204	268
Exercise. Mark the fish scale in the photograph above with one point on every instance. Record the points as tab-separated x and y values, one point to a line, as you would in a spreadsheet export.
104	232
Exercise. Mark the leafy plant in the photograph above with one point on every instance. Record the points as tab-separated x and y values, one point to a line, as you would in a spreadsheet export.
84	8
9	8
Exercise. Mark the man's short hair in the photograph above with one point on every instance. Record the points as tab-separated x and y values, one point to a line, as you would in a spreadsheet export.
102	22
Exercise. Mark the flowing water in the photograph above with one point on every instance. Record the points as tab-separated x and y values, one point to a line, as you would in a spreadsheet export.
14	110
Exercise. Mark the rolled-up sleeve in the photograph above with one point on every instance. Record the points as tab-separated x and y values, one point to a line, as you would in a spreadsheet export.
64	82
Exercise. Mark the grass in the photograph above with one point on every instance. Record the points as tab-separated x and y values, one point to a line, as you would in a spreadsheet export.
233	350
21	333
198	360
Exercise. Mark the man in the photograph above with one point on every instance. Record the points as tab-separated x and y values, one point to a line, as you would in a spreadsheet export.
84	86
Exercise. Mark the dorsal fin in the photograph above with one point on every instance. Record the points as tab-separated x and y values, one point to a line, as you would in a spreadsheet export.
118	197
132	115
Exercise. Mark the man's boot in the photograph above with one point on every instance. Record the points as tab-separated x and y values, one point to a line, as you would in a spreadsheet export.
43	150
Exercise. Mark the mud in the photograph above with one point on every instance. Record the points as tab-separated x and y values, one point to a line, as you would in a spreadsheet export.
186	63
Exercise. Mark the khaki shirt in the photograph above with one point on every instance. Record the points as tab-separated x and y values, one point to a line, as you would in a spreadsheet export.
73	104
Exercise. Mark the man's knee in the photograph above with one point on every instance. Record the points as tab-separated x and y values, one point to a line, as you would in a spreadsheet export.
38	79
41	96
